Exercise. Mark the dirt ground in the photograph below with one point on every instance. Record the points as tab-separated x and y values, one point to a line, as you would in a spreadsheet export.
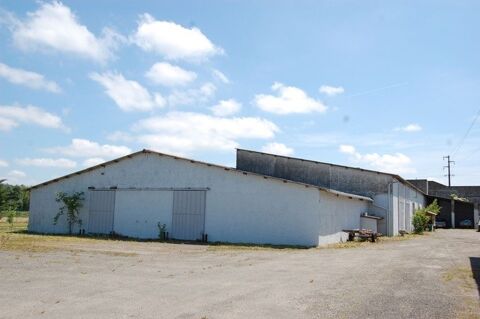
427	276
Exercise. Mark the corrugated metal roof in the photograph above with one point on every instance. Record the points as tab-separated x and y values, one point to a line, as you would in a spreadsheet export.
401	179
145	151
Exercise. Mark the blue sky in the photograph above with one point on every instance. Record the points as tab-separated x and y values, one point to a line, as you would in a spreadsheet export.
391	86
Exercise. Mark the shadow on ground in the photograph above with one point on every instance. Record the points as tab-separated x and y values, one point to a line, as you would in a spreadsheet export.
475	265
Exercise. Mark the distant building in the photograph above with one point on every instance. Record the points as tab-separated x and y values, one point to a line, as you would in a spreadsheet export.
462	210
394	198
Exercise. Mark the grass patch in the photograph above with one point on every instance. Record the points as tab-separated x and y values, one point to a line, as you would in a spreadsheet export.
462	275
462	278
23	214
20	225
18	239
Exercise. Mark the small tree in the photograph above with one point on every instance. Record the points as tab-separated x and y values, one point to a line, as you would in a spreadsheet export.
71	206
434	207
11	218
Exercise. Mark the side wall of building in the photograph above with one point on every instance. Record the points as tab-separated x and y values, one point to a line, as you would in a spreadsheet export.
405	201
394	200
336	214
240	207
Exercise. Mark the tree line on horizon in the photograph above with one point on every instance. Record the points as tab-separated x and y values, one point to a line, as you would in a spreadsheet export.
14	198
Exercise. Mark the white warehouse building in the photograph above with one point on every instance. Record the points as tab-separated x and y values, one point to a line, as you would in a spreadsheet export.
131	195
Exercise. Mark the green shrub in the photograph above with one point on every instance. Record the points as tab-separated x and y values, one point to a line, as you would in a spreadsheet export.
420	221
11	218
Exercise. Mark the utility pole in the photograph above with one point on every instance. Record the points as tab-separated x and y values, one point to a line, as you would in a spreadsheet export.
448	167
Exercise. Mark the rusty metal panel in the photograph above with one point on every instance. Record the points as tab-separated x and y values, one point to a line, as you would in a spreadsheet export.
188	217
101	212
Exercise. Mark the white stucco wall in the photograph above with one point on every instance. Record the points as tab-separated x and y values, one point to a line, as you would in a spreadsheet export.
240	207
403	198
338	213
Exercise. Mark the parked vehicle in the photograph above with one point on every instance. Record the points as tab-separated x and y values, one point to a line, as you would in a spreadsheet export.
440	223
466	223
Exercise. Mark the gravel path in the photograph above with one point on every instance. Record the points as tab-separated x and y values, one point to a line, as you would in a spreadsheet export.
427	277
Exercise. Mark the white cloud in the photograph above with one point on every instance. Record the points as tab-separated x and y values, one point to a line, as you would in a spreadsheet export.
277	148
220	76
193	96
184	132
409	128
226	108
16	177
331	90
172	40
11	116
3	163
16	173
128	95
30	79
7	124
170	75
85	148
288	100
93	161
48	162
397	163
347	149
119	136
55	27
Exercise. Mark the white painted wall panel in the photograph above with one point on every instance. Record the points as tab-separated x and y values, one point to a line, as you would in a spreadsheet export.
188	216
138	213
101	212
336	214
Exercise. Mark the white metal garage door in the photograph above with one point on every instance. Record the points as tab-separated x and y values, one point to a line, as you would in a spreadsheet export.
188	217
102	206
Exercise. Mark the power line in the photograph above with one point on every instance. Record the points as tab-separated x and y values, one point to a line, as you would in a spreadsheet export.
471	154
466	133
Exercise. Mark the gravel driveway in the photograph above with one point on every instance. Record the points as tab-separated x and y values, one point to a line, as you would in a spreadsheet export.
425	277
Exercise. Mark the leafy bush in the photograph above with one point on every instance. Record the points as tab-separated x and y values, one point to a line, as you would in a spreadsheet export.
11	214
420	221
71	204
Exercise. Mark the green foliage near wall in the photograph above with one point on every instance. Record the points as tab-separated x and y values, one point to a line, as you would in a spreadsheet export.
13	198
71	205
421	220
